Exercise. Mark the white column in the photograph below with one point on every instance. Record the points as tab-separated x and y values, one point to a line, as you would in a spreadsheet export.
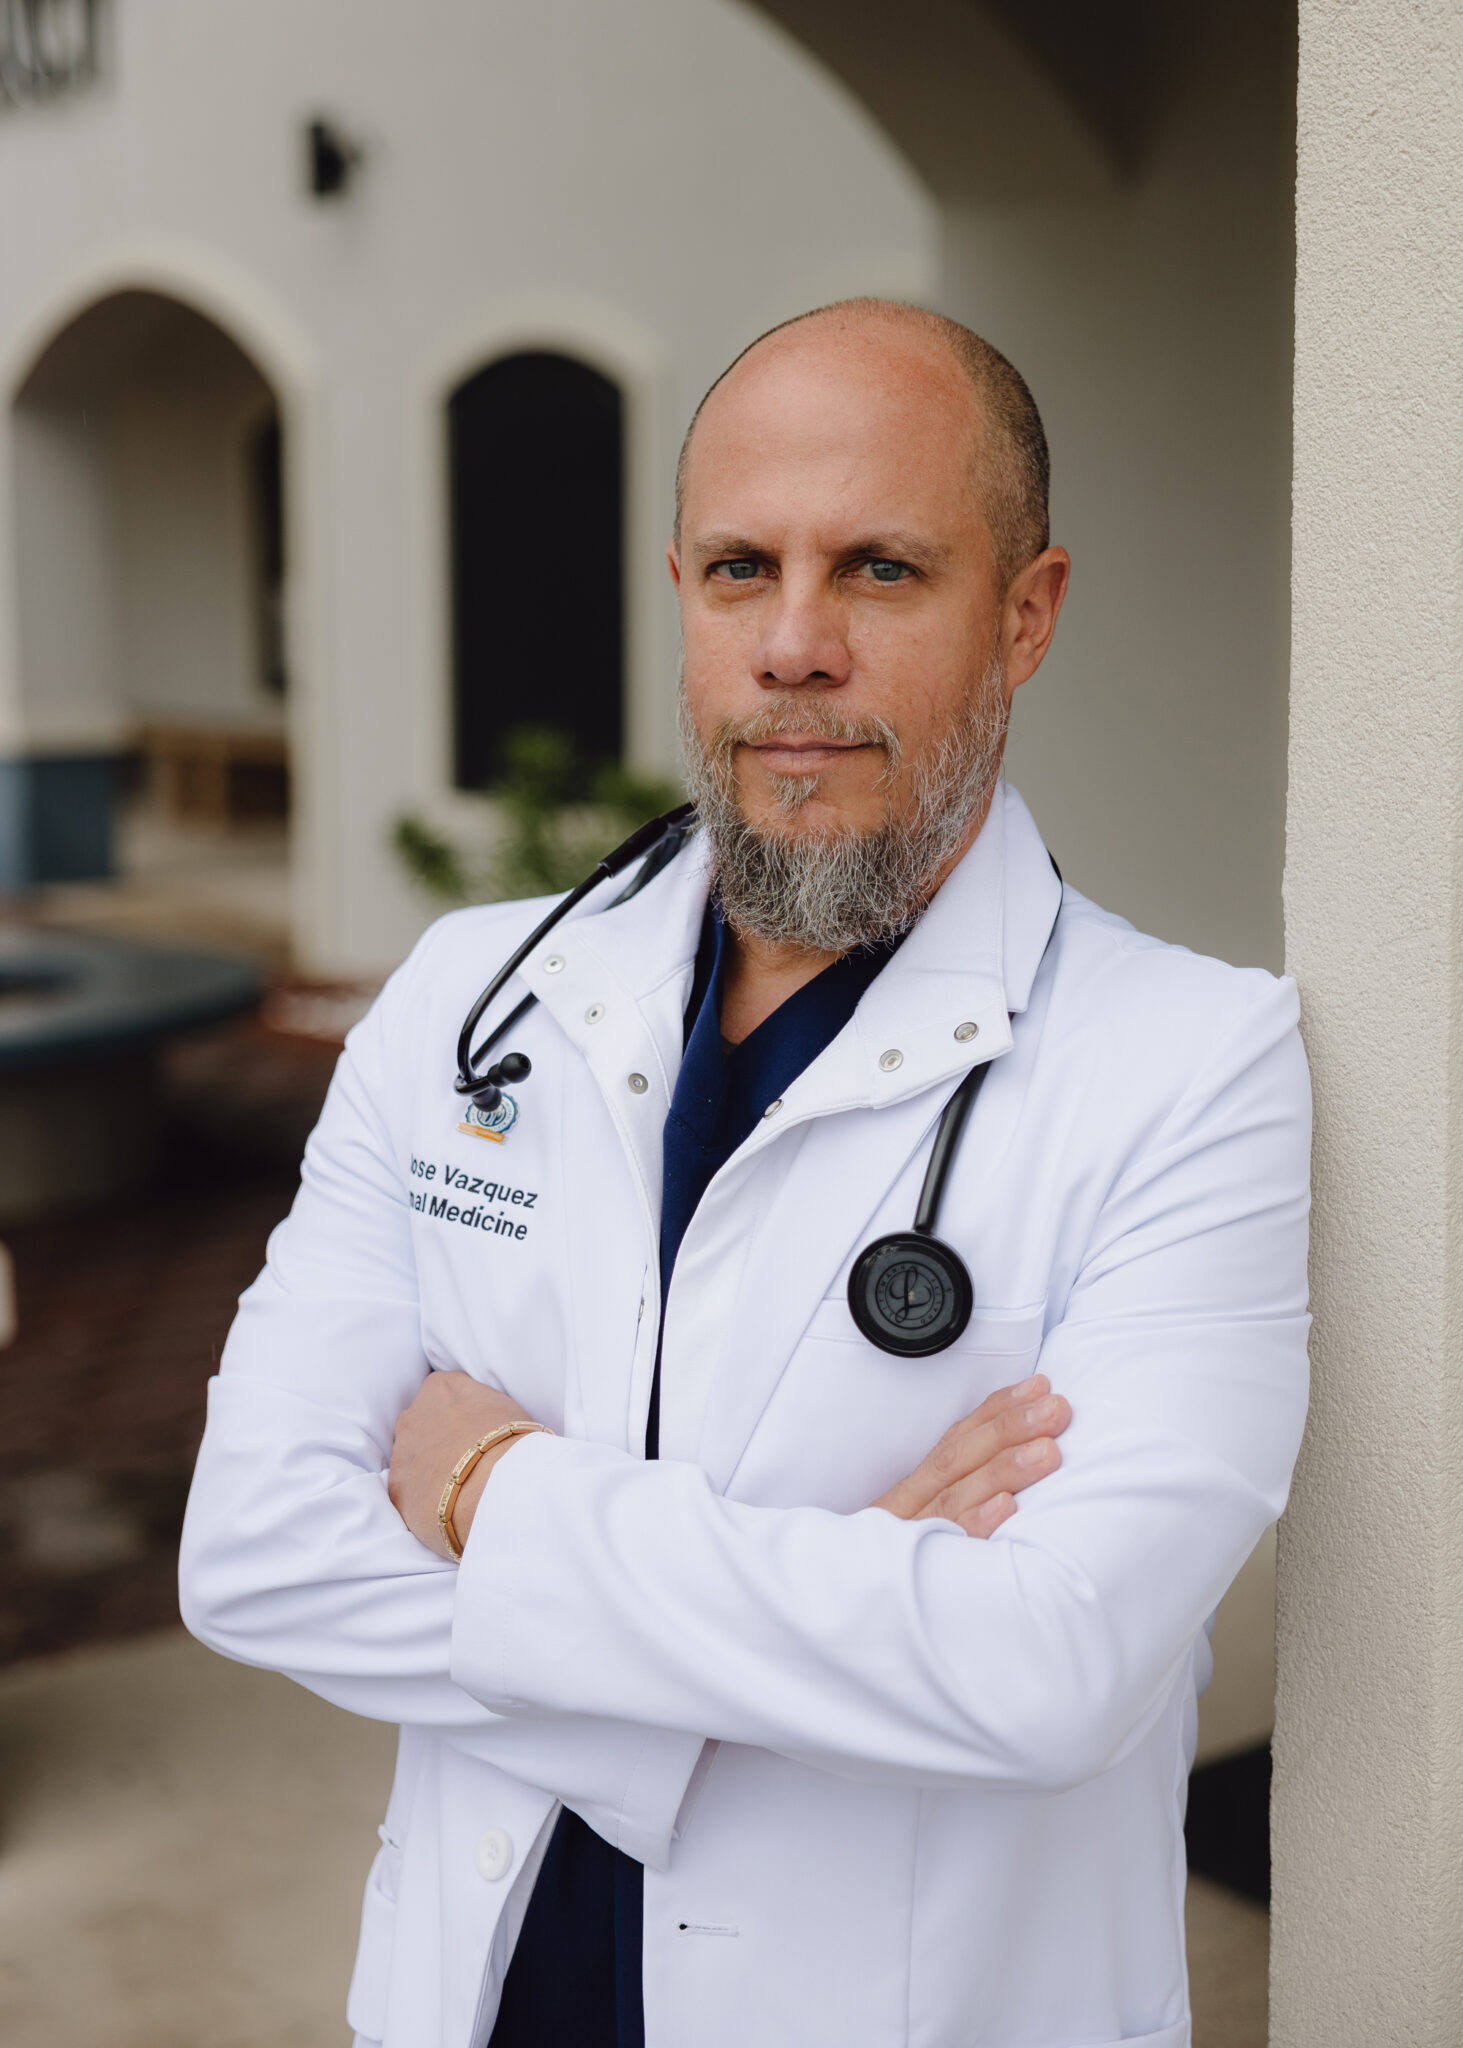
1368	1820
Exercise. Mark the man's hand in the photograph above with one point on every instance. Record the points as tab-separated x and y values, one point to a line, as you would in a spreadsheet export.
451	1412
975	1471
971	1476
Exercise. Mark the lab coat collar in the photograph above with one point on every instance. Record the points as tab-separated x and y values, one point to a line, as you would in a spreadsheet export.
990	920
971	960
617	981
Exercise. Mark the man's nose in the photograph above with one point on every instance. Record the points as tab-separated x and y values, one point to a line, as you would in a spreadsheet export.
803	643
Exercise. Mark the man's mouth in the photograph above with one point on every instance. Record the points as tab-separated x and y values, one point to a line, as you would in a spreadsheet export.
803	753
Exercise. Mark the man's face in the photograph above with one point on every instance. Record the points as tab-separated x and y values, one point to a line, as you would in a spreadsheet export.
833	558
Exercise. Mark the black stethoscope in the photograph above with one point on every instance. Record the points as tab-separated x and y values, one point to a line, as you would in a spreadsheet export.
909	1293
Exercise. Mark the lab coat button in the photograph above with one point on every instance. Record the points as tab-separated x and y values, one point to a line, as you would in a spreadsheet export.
891	1059
963	1032
494	1855
773	1107
554	963
638	1084
593	1014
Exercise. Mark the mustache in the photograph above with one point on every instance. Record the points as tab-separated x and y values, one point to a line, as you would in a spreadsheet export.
810	717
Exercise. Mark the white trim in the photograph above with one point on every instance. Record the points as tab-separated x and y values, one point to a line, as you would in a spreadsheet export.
251	316
609	340
189	272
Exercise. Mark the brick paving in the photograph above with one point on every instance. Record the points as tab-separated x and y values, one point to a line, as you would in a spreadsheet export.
123	1311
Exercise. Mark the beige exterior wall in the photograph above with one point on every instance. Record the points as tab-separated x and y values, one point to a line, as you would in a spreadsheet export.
1368	1822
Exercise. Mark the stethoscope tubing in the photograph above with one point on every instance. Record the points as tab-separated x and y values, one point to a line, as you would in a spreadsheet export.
661	839
942	1153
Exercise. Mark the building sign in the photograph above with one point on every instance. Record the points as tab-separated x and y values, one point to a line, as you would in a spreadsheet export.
47	47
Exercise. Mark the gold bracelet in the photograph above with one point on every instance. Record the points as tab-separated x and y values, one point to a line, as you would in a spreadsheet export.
463	1470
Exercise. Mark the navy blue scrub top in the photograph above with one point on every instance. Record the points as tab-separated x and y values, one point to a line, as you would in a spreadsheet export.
574	1981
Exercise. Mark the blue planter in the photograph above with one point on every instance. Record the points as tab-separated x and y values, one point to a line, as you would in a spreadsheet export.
56	819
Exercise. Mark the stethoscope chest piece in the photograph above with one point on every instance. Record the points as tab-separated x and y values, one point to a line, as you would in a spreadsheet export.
910	1294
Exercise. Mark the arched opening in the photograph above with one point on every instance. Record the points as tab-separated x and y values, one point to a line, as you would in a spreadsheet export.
151	565
536	470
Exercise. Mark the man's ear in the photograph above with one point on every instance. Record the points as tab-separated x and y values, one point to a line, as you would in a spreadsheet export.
673	561
1030	611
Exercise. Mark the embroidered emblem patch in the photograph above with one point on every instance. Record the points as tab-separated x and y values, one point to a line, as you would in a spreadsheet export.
494	1123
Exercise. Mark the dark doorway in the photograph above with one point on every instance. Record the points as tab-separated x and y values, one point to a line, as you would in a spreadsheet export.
537	482
266	499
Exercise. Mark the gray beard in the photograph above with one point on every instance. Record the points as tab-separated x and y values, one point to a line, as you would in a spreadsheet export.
828	891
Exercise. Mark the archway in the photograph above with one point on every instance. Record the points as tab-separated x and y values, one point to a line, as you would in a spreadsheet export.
150	577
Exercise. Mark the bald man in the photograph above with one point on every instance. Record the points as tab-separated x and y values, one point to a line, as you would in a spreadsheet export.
684	1477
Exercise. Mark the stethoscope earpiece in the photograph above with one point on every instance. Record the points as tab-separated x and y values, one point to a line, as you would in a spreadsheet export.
487	1091
662	840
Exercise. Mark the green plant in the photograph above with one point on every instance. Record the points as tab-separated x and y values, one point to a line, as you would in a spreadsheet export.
431	861
558	815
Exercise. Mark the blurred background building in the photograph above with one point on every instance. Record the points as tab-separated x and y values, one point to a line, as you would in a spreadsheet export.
339	344
316	317
345	350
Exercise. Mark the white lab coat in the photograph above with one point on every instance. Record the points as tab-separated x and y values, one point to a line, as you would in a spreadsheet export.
891	1785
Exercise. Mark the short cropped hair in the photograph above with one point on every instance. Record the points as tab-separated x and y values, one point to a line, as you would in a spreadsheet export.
1014	480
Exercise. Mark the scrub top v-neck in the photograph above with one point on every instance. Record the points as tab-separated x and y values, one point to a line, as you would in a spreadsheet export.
575	1977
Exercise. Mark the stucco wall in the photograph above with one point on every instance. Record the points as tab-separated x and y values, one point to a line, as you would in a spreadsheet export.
1368	1911
185	540
66	616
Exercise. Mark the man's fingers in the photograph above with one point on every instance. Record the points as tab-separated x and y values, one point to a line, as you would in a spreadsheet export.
989	1515
974	1500
973	1444
1007	1419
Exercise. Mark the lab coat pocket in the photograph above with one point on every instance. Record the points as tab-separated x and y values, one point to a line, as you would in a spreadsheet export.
365	2007
868	1417
991	1332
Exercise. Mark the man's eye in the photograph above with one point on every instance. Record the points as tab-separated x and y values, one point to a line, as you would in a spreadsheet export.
736	572
888	572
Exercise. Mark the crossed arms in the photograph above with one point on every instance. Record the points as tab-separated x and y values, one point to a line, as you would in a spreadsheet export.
609	1615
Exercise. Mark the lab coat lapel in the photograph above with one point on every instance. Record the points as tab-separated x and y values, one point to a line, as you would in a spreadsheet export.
790	1233
616	982
721	1368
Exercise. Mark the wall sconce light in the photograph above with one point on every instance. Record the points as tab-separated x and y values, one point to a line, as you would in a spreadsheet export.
331	160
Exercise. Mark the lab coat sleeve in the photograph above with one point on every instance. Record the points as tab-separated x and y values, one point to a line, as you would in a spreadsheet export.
907	1652
293	1556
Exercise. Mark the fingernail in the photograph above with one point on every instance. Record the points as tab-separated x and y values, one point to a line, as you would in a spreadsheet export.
1028	1387
1032	1454
1038	1413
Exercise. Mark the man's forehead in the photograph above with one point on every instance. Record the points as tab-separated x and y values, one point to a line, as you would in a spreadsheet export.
818	375
856	412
